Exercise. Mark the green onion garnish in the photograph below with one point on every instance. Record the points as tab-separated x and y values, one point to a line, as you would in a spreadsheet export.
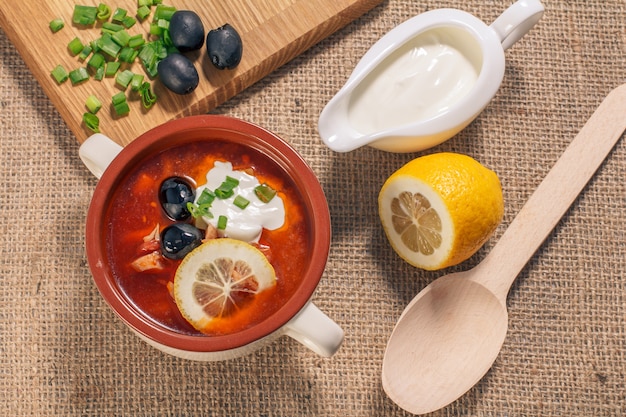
206	197
59	74
92	122
56	25
241	202
221	222
136	41
129	22
226	189
99	75
264	192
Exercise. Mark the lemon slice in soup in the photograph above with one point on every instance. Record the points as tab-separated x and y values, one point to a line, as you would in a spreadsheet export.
218	278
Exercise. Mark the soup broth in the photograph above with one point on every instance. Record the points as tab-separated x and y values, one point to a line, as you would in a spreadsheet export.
135	210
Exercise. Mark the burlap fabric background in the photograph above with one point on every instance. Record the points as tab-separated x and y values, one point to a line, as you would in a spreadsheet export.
63	352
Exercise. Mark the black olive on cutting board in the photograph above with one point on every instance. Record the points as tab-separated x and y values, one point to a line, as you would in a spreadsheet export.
178	73
186	31
224	47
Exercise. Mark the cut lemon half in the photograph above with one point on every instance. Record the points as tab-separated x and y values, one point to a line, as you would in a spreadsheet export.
218	278
439	209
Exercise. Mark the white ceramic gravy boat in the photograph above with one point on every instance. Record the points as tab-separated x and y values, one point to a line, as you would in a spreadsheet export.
453	60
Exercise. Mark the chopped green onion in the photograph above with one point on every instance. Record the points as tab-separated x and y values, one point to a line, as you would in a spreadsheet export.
226	189
164	12
99	75
103	12
221	222
109	46
93	104
136	82
120	105
78	75
110	27
111	69
85	52
264	192
56	25
241	202
141	3
84	15
119	15
143	12
96	61
136	41
148	98
128	54
75	46
59	74
129	22
123	78
92	122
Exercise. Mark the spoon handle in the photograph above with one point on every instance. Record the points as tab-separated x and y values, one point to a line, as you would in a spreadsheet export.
555	194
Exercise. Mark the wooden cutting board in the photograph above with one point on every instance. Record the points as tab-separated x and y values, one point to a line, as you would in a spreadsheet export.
273	32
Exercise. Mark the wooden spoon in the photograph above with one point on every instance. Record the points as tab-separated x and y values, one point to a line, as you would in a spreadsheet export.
450	334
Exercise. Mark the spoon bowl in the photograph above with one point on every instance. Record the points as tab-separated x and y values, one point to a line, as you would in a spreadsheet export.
450	334
458	313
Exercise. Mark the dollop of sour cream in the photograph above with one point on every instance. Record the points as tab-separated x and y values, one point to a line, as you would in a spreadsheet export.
248	223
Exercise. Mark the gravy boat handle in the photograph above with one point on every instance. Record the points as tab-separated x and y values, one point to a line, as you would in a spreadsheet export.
516	21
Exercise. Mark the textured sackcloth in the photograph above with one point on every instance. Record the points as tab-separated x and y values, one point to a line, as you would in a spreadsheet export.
64	353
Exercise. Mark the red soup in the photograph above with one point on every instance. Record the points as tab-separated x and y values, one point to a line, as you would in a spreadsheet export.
135	210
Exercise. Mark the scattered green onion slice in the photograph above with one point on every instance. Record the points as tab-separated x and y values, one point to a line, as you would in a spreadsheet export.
206	197
103	12
92	122
93	104
148	98
84	15
143	12
124	78
222	222
129	22
56	25
120	105
136	82
99	75
264	192
112	68
75	46
136	41
79	75
241	202
96	61
85	52
59	74
118	15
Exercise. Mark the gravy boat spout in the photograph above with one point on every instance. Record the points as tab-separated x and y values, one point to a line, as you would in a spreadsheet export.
424	81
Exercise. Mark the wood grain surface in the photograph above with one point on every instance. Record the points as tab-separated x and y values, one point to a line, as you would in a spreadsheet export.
273	32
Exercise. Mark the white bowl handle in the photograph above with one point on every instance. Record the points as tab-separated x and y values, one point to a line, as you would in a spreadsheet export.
97	152
516	21
315	330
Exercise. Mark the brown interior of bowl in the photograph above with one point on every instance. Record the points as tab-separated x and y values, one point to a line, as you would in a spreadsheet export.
206	128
